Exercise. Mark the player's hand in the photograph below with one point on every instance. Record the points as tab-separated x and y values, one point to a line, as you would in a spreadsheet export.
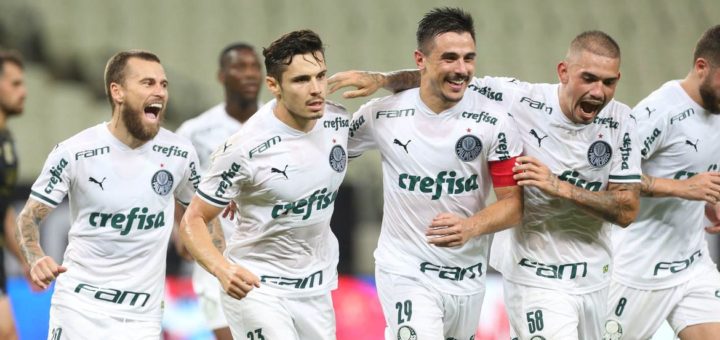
702	187
229	211
33	286
712	212
237	281
366	83
450	230
531	172
44	271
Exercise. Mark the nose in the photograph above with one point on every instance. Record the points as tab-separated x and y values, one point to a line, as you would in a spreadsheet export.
461	67
597	90
161	91
316	87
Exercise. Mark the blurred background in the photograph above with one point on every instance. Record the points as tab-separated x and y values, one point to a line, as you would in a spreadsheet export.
67	43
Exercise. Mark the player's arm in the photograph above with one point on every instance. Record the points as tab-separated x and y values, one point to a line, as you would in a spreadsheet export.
194	232
701	187
619	204
43	269
450	230
10	240
367	82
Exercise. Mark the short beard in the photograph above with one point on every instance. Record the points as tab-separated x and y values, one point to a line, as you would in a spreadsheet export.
134	125
709	99
11	111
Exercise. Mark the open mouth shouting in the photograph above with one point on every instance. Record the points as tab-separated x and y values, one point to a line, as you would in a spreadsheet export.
152	111
587	109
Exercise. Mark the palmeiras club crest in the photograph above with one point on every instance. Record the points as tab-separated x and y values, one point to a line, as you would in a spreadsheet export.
162	182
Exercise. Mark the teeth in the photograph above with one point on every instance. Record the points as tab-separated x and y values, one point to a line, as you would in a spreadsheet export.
156	105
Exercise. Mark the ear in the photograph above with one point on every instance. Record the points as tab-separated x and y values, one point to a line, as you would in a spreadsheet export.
117	93
419	60
273	85
221	76
702	68
563	72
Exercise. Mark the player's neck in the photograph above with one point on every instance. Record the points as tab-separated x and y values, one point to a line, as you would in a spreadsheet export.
3	120
434	102
691	86
564	102
119	130
240	109
292	120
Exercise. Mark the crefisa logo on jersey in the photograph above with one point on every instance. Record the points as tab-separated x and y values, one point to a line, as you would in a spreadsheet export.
162	182
468	147
338	158
599	154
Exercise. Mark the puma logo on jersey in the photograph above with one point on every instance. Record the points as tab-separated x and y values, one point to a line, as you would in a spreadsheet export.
92	180
404	146
278	171
650	111
633	117
225	146
535	134
694	145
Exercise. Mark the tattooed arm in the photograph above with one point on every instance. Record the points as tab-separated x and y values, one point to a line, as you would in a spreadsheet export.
619	204
701	187
368	82
216	234
43	269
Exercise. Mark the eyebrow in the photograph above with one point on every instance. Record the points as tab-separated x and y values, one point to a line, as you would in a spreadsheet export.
594	76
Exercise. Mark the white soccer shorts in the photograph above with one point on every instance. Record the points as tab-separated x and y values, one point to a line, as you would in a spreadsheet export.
416	311
208	289
544	314
69	323
638	314
265	317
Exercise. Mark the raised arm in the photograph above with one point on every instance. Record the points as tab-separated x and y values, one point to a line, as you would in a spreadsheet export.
701	187
196	236
450	230
43	269
367	82
619	204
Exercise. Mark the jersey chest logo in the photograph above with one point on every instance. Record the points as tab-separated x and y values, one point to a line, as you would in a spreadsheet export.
162	182
338	158
468	147
599	154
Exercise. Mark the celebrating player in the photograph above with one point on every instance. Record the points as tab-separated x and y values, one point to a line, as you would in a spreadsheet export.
124	179
283	169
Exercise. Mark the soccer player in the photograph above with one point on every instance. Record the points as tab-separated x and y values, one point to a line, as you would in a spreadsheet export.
283	169
442	148
663	270
581	169
240	74
123	179
12	101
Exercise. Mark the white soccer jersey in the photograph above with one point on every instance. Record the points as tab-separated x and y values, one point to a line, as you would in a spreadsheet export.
433	163
207	132
284	182
560	246
121	207
664	245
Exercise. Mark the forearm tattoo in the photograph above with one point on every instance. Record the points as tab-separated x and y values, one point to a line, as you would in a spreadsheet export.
400	80
216	234
616	206
28	230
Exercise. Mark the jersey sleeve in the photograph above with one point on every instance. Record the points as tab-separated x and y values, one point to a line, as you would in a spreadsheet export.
223	179
625	163
652	131
506	143
190	181
53	184
361	137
